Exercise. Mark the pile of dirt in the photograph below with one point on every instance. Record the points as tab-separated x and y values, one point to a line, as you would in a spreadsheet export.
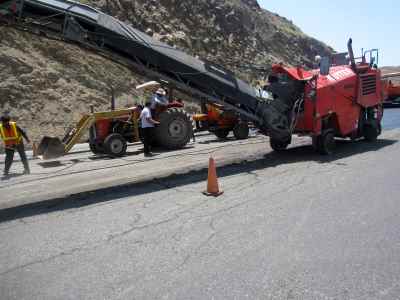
47	84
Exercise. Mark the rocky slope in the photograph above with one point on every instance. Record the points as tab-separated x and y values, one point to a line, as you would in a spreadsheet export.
47	84
237	34
387	70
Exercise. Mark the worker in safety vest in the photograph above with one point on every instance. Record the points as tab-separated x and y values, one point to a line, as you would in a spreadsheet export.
12	136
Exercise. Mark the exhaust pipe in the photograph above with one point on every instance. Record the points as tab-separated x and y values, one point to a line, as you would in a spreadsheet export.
351	55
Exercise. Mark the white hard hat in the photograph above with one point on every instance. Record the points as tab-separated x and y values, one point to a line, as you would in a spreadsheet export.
161	91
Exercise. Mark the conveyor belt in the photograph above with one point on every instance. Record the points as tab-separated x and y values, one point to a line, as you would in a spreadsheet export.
85	25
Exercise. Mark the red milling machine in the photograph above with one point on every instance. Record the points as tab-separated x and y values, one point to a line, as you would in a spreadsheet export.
342	99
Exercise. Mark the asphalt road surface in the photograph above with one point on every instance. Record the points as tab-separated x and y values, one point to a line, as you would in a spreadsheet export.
391	118
81	171
289	226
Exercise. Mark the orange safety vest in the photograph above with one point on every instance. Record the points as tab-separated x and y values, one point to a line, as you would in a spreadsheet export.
10	136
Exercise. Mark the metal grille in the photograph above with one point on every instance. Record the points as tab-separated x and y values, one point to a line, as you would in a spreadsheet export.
368	83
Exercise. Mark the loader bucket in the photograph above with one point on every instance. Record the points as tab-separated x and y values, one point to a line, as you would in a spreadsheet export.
51	147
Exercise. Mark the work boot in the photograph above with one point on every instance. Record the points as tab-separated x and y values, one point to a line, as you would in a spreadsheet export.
6	176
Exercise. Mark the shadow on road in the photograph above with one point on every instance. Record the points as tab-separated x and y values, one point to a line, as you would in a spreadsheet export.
223	140
11	175
51	164
108	157
160	150
271	159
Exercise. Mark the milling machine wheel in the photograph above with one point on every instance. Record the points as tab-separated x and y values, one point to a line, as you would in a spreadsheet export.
371	133
325	143
221	133
277	145
115	145
241	131
175	129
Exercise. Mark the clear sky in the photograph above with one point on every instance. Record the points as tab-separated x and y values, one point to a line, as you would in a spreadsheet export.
371	24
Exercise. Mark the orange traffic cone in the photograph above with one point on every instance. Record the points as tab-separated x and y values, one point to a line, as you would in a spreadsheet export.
34	150
212	181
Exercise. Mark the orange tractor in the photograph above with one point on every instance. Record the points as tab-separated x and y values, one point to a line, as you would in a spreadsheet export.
221	122
391	90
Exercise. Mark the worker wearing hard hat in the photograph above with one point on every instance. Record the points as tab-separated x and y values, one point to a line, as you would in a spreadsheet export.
12	135
159	98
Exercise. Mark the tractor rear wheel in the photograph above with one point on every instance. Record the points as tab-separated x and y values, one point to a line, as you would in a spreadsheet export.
221	133
277	145
115	145
175	129
325	143
241	131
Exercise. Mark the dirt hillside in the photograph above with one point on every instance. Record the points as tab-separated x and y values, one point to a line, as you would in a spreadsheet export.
387	70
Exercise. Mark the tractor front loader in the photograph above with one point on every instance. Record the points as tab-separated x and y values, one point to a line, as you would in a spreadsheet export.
109	133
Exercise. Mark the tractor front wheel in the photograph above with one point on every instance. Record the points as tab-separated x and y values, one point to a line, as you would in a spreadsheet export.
115	145
241	131
221	133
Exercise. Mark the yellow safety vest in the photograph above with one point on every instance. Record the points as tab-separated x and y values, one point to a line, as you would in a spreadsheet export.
10	136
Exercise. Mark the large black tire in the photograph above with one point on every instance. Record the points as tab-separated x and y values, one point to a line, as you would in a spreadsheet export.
371	132
277	145
96	148
175	129
115	145
221	133
241	131
325	143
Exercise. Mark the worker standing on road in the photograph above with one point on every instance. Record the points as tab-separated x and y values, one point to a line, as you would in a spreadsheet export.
148	124
12	135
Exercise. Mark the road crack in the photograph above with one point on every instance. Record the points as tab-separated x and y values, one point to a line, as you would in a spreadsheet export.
195	252
44	260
